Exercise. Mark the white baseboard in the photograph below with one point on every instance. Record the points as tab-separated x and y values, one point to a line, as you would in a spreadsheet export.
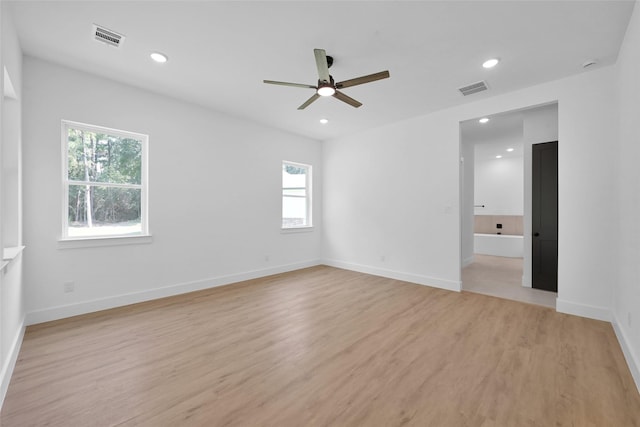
10	363
449	285
583	310
84	307
630	356
468	261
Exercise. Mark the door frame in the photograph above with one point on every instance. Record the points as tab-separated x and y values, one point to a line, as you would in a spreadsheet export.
527	214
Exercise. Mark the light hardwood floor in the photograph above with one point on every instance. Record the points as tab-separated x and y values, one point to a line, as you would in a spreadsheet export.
323	346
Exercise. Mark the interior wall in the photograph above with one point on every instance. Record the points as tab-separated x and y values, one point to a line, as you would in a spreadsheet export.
12	306
214	197
498	183
391	195
626	307
391	201
494	183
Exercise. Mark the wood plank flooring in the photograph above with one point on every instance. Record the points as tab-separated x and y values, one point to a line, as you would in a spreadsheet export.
322	347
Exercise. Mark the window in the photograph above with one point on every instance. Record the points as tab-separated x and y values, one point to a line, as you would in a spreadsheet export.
105	182
296	195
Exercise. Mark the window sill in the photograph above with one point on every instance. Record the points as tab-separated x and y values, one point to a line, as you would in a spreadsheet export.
296	230
93	242
9	254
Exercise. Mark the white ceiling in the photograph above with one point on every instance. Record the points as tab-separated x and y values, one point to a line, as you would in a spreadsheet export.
494	137
219	52
503	131
500	126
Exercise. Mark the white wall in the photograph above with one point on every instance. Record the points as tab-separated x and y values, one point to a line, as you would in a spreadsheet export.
394	191
499	183
205	230
391	201
626	302
12	307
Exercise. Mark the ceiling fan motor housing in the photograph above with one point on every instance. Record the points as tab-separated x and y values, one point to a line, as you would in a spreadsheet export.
329	61
331	82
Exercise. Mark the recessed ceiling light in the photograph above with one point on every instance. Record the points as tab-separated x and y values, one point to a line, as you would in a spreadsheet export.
490	63
498	156
509	149
159	57
484	120
324	121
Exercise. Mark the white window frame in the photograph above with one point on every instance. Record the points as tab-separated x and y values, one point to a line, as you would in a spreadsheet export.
308	196
143	186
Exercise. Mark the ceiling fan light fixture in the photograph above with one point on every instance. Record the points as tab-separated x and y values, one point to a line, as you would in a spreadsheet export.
326	90
327	86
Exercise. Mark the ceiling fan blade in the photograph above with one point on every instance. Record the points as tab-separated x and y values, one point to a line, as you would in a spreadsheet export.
271	82
344	98
363	79
309	101
321	63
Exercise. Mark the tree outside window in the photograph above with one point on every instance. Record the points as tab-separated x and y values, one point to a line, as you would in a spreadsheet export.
105	188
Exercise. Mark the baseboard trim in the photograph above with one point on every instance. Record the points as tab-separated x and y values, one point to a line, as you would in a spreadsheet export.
583	310
10	363
629	355
468	261
449	285
84	307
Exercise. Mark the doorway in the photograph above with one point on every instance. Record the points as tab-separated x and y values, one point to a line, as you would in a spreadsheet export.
499	153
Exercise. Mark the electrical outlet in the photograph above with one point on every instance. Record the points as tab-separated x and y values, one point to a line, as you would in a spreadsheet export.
69	287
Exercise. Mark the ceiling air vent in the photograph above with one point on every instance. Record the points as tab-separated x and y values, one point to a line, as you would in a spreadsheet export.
473	88
107	36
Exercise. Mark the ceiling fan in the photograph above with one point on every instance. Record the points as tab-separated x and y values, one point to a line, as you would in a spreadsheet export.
327	86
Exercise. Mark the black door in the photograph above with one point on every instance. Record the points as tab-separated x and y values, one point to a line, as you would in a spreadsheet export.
544	262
